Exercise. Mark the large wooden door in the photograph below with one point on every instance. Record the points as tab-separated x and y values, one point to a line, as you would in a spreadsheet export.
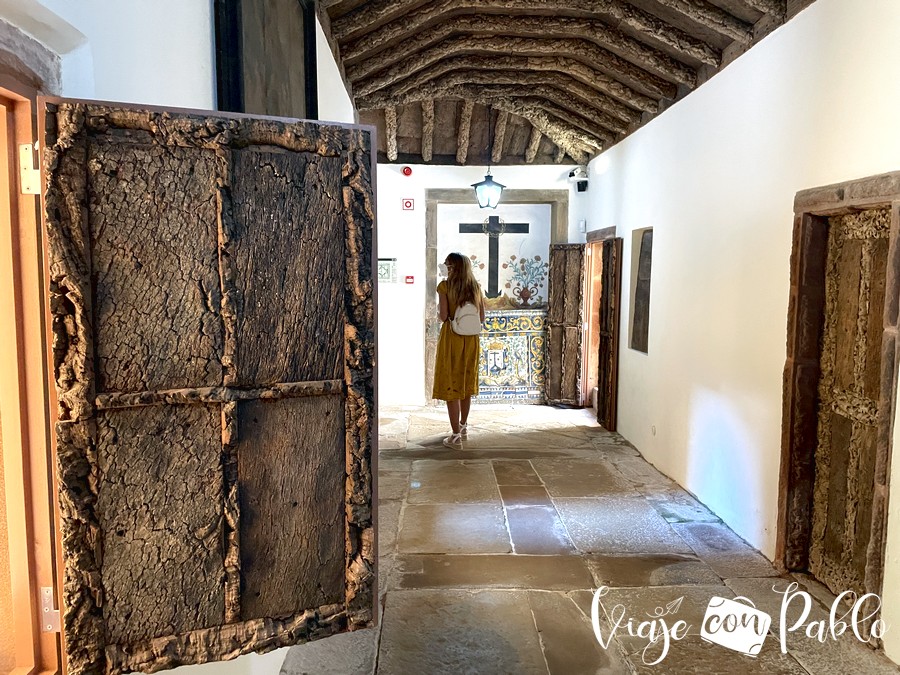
564	324
610	310
213	324
850	390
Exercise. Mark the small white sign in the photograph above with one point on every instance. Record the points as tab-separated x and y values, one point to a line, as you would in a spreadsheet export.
387	270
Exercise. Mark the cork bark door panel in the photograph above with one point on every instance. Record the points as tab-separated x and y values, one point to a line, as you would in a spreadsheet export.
850	390
212	316
564	324
610	309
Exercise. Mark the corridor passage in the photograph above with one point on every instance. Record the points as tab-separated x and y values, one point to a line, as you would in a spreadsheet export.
489	556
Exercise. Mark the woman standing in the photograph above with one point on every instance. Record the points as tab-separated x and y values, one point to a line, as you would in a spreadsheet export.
456	365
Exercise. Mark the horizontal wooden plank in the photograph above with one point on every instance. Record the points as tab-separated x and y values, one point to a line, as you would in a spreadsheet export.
219	394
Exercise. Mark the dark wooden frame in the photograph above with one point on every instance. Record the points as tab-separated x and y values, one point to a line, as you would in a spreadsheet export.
230	57
806	308
610	328
83	622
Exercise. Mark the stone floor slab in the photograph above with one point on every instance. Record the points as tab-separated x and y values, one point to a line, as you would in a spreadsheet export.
538	530
524	495
568	641
452	632
345	654
677	506
582	478
695	656
618	525
515	472
453	528
452	482
724	551
554	573
651	569
844	655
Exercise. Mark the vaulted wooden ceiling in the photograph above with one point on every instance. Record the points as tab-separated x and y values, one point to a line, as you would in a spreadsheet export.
550	80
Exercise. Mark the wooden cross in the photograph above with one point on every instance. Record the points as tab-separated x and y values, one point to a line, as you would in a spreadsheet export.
493	230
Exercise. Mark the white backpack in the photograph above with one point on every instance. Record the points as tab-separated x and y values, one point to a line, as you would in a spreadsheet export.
467	320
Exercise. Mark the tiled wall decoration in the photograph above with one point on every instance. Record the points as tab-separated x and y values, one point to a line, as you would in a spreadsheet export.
512	367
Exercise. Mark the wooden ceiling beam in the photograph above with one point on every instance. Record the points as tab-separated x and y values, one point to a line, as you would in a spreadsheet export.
581	50
464	131
777	8
621	13
613	126
390	126
556	122
534	143
618	117
628	53
709	16
578	144
499	136
618	99
560	156
427	130
580	119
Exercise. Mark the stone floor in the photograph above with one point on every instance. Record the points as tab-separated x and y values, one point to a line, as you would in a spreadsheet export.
488	558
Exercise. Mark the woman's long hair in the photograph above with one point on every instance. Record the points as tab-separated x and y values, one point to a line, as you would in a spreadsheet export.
462	287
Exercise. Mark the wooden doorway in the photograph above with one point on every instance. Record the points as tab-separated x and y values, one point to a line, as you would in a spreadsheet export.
216	381
565	330
840	382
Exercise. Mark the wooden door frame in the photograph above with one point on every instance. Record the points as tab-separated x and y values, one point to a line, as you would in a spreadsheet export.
812	208
28	403
559	234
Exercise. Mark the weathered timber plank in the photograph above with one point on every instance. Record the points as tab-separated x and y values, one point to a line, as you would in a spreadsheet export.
427	130
155	261
464	130
564	73
499	136
369	78
288	256
291	480
159	507
618	13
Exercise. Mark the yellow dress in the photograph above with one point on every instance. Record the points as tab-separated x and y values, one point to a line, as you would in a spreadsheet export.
456	363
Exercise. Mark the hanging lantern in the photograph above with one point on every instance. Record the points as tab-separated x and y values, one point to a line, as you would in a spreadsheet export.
488	192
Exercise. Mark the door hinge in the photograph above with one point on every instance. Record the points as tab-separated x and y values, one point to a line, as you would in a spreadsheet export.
29	176
49	616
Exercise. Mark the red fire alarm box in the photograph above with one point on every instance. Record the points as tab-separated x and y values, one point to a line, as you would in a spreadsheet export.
410	280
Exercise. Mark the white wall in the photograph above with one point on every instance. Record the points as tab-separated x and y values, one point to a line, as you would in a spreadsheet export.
158	52
335	104
401	235
715	176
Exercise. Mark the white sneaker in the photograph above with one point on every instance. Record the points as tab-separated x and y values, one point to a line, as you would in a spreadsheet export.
454	441
464	430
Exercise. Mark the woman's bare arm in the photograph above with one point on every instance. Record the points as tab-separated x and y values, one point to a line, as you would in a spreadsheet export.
443	307
481	306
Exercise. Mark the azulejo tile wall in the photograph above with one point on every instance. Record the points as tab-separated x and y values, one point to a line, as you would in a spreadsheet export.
513	362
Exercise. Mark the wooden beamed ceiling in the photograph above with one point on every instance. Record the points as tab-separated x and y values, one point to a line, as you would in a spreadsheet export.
551	81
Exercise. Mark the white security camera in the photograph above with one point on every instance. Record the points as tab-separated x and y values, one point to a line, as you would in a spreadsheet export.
579	176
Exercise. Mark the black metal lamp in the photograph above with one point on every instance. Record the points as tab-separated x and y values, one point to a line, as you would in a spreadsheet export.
488	191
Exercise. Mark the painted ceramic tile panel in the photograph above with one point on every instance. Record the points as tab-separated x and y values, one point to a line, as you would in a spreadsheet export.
513	366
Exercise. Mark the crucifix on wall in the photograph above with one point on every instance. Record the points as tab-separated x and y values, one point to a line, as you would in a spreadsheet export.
493	227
